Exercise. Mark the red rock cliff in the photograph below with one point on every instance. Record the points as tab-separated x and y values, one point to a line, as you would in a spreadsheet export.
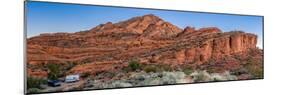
148	38
223	44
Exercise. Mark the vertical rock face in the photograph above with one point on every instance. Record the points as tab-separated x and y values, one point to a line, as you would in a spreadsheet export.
147	37
215	48
180	56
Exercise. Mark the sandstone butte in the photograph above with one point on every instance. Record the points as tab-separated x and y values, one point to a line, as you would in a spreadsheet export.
147	38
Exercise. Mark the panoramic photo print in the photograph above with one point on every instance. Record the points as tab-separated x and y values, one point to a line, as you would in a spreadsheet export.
72	47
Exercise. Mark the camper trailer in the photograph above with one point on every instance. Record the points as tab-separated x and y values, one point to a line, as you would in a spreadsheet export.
71	78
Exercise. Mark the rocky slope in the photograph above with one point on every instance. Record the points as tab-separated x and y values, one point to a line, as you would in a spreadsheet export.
147	38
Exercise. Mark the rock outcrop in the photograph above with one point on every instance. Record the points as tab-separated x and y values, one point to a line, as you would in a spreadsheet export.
223	44
148	38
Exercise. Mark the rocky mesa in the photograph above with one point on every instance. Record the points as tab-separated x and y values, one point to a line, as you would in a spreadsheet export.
148	38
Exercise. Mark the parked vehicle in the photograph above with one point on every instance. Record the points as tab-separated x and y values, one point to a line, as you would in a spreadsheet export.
72	78
54	83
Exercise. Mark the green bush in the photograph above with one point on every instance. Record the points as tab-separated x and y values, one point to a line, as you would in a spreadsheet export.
254	67
33	82
200	78
54	71
258	73
187	71
134	65
150	68
33	90
165	67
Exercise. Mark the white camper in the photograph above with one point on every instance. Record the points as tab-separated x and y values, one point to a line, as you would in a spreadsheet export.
71	78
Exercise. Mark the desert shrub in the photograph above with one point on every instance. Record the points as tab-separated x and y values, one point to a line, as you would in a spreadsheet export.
108	74
85	75
173	77
97	84
187	70
223	76
164	67
157	68
140	79
204	76
126	69
200	76
33	82
150	68
159	78
239	71
77	88
33	90
134	65
54	71
254	68
210	69
258	73
120	84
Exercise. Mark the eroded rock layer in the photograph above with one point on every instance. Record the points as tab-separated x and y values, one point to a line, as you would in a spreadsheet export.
147	38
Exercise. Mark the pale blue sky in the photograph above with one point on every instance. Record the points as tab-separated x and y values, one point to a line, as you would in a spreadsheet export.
43	17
